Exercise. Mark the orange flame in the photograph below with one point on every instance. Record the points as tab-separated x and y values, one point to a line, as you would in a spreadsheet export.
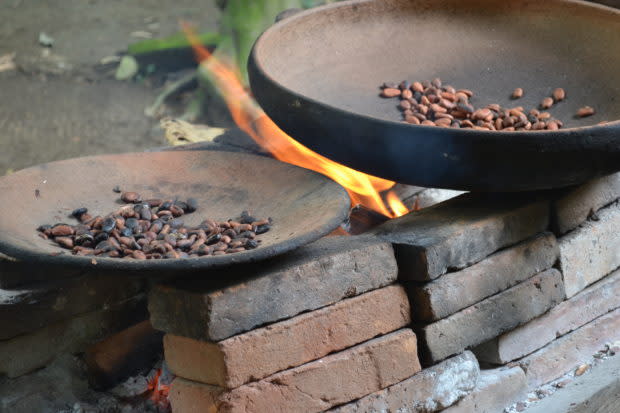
158	391
396	205
362	188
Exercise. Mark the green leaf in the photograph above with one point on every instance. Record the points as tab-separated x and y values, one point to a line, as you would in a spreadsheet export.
244	20
175	41
127	68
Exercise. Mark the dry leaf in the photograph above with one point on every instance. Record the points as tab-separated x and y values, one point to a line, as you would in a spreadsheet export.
7	62
581	369
180	132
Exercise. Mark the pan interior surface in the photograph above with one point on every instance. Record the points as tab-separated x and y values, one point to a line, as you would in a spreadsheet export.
339	56
303	204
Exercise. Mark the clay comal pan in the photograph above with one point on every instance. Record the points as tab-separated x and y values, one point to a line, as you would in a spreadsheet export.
317	74
303	204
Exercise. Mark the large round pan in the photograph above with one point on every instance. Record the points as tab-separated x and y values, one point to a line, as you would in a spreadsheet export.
317	74
303	204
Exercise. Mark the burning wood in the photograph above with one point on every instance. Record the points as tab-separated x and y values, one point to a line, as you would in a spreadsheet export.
363	219
122	355
158	389
150	391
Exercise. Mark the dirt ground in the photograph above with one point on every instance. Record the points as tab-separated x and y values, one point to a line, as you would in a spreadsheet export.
56	105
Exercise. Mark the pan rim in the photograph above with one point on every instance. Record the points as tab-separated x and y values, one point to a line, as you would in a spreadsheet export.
472	133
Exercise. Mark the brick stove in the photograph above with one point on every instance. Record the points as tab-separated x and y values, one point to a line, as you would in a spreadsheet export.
465	306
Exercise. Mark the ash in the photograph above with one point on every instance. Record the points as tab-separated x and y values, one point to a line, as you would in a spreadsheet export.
62	387
610	350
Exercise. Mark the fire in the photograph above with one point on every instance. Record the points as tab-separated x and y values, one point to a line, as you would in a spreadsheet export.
158	392
396	205
362	188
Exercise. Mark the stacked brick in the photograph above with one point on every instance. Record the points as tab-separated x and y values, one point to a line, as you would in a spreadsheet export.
475	267
323	328
586	220
530	284
463	290
39	320
525	282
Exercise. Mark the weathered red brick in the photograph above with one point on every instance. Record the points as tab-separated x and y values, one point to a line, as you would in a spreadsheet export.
312	387
461	232
592	251
23	274
188	396
595	392
594	301
311	277
25	353
306	337
574	205
457	290
429	390
492	316
122	354
496	390
570	350
37	305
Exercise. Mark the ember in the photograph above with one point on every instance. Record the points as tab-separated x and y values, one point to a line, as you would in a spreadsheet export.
158	391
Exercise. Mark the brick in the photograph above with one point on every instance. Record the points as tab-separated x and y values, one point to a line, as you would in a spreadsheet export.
610	3
591	251
461	231
17	274
188	396
312	387
570	350
123	354
25	353
598	391
432	196
492	316
430	390
48	390
594	301
306	337
38	305
425	197
496	389
407	193
248	296
573	207
361	220
457	290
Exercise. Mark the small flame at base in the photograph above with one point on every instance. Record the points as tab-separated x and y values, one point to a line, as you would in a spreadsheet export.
396	205
158	392
362	188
